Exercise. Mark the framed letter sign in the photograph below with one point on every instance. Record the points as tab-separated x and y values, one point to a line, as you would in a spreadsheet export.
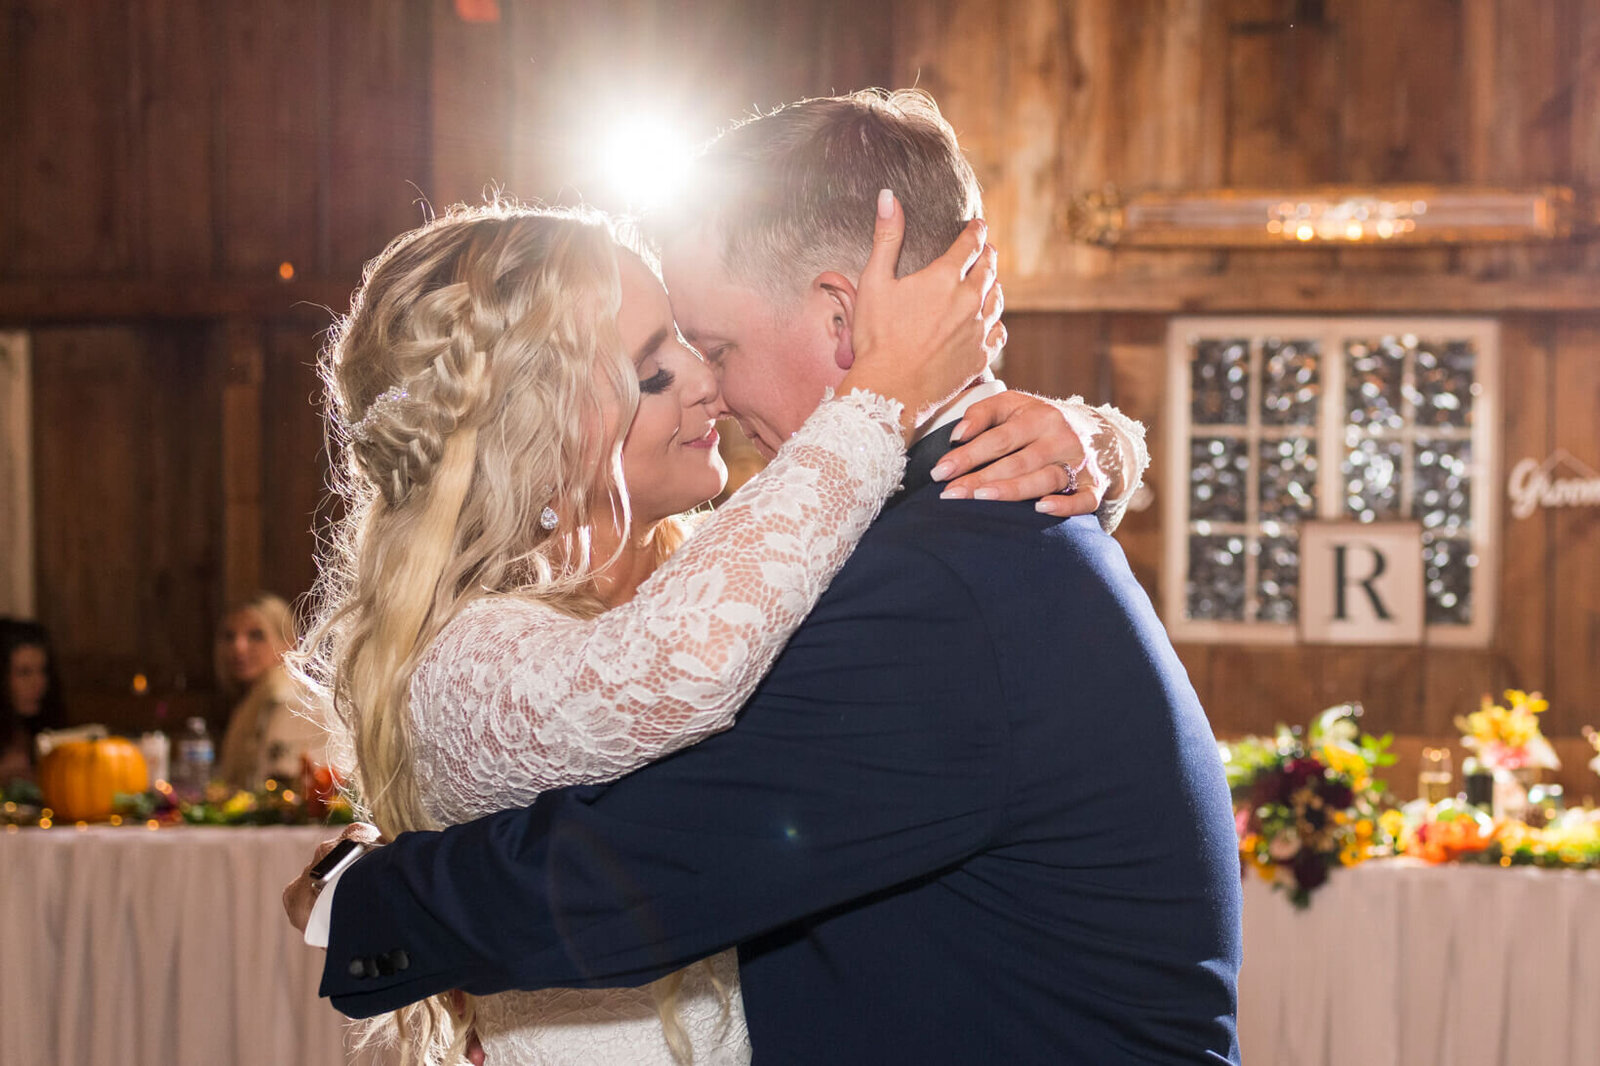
1361	583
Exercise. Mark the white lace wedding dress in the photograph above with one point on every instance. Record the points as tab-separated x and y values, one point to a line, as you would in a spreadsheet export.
514	698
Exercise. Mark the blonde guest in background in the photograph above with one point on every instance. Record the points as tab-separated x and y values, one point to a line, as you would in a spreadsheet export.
268	731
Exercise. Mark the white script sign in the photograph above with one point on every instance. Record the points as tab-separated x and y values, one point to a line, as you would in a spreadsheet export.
1533	484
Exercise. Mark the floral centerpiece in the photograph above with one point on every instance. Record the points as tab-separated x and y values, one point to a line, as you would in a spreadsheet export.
1572	841
1306	805
1508	737
272	804
1447	831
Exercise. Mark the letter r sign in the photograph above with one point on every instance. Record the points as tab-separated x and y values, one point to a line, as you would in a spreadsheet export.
1361	583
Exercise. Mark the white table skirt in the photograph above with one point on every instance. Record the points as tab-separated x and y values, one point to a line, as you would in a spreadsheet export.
127	947
1401	964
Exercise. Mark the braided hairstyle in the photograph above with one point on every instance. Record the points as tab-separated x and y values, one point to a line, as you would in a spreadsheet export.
477	379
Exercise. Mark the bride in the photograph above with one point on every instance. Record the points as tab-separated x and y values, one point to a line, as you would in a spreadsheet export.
521	426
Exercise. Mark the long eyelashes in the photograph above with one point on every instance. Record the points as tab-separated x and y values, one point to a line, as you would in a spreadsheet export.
657	383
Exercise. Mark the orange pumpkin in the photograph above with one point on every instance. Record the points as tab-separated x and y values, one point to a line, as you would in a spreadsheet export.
80	778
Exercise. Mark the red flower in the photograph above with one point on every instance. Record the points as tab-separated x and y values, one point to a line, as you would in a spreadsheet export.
1336	794
1310	870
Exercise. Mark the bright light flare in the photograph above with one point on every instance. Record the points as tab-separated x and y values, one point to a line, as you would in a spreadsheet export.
645	161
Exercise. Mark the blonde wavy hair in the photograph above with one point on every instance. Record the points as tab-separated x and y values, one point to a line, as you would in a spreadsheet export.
499	323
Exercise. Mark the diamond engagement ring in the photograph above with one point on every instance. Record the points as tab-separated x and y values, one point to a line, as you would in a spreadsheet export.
1072	480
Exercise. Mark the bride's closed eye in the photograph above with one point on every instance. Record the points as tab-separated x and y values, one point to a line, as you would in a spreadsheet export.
657	383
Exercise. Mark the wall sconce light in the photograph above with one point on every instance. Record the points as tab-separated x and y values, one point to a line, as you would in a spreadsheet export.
1329	215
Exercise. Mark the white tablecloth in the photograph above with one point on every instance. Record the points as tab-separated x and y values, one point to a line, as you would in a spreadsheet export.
1401	964
127	947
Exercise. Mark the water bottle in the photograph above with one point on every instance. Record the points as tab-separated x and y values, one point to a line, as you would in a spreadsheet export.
196	753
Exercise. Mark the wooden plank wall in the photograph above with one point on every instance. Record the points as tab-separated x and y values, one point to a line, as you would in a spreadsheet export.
160	160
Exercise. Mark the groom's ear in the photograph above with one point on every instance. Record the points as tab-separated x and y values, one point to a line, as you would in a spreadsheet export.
839	297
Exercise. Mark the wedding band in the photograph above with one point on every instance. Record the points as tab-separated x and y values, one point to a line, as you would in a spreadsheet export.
1072	480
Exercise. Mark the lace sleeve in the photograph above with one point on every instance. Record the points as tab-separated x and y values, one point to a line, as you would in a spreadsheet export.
1118	445
1124	457
515	698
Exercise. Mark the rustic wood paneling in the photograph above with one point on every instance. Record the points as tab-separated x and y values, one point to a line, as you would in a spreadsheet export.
273	129
1400	114
92	423
470	89
1574	552
1520	125
294	463
1522	636
170	203
13	42
379	139
128	483
243	346
72	131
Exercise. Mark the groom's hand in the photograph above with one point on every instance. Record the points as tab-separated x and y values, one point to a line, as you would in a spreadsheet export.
300	895
1019	447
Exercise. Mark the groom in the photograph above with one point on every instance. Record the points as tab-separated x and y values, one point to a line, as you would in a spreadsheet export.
975	812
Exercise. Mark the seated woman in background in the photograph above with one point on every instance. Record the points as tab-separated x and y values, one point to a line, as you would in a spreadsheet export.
267	729
30	701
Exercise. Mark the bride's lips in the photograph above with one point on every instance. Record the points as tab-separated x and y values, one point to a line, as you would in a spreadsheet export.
707	441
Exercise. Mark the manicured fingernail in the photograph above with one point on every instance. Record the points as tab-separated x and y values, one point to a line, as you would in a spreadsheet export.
959	434
941	472
953	493
1044	507
986	494
885	203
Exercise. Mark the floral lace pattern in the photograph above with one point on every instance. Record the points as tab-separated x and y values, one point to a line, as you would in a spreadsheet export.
514	698
1118	444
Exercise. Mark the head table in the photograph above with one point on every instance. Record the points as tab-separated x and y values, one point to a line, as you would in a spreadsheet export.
127	947
1397	963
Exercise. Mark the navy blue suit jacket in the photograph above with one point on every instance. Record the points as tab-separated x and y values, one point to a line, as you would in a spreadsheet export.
975	813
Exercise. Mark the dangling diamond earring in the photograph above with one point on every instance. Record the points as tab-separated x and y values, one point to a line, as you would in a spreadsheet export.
548	518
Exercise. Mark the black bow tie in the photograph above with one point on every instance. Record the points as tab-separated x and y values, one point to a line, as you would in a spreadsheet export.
920	461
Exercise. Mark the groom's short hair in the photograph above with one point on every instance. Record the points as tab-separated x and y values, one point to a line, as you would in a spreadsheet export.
793	193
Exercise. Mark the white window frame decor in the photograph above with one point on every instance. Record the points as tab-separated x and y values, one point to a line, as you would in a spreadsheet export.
1330	433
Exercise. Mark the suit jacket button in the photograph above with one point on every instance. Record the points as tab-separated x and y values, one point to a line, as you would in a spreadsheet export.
358	968
399	959
385	967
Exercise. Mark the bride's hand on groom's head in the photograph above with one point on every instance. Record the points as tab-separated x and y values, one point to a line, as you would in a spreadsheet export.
1019	447
922	338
